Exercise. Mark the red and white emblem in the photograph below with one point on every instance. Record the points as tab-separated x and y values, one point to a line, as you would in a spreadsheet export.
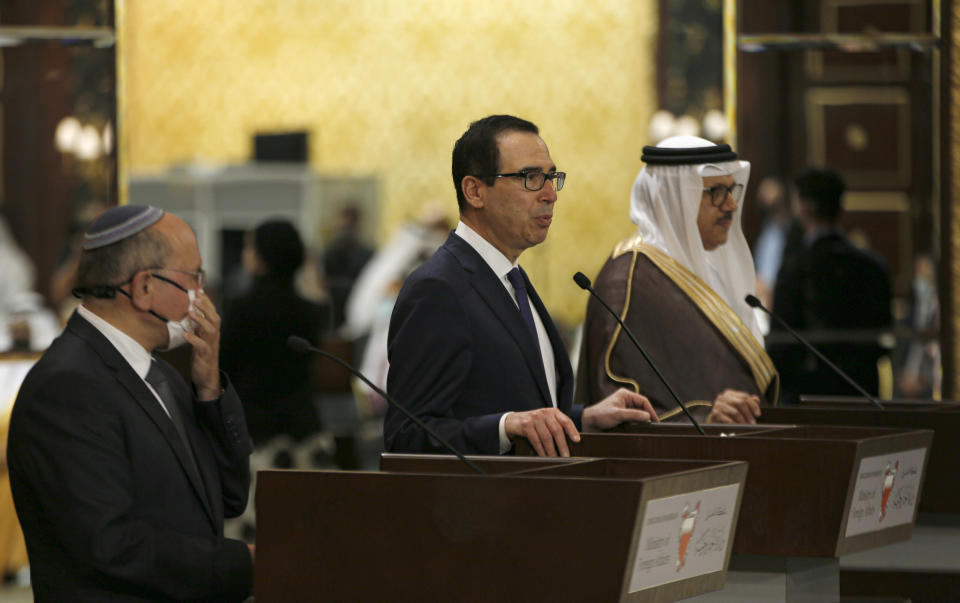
889	476
688	519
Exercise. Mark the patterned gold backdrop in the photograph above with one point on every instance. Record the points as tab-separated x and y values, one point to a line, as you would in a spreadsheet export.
386	87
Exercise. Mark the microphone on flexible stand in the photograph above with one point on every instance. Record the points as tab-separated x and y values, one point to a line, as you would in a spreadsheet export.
301	345
584	283
753	302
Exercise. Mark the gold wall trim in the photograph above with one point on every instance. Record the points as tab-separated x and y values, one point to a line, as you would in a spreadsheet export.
123	141
876	201
730	34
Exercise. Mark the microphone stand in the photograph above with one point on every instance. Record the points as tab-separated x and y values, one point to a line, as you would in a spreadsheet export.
584	283
299	344
753	302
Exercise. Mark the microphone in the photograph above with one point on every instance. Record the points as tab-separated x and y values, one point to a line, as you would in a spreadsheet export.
584	283
753	302
301	345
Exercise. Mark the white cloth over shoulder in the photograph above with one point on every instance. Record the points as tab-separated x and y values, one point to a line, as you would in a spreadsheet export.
18	301
664	205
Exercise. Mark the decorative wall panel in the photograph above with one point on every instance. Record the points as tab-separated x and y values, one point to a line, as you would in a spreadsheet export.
385	88
865	16
863	132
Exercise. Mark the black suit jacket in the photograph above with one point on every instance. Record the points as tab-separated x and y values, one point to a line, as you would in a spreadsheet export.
461	356
831	285
101	483
274	382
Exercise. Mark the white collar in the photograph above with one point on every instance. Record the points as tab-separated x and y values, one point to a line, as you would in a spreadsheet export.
490	254
136	356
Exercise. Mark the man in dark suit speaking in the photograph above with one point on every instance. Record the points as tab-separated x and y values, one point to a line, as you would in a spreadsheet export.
472	349
122	474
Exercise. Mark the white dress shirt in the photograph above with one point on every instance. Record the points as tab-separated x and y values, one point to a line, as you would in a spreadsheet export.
136	356
501	266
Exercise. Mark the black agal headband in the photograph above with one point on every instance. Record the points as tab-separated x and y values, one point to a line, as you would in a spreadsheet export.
687	156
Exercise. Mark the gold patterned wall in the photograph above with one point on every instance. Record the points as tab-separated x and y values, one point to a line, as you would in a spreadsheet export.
386	87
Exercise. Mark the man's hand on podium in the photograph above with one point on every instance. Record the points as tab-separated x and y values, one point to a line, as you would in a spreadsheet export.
622	406
547	430
733	406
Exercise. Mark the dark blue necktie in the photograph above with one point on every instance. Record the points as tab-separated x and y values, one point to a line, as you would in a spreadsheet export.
156	378
520	288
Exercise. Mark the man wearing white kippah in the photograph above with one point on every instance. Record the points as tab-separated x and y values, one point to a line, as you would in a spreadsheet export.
679	283
122	473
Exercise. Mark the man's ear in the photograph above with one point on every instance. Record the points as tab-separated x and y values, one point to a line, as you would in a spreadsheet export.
141	290
474	190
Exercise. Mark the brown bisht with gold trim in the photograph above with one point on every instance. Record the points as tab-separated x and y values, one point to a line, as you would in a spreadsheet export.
696	340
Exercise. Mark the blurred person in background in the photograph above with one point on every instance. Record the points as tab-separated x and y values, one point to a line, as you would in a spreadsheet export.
371	302
343	260
781	236
64	277
25	322
275	383
920	374
830	285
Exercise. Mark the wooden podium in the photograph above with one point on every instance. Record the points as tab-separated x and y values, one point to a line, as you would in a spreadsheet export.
426	529
813	493
943	418
928	567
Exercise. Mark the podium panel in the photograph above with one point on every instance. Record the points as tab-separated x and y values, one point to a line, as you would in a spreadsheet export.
812	491
521	532
943	418
926	568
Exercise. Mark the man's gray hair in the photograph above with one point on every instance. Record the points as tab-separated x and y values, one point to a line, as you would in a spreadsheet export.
114	265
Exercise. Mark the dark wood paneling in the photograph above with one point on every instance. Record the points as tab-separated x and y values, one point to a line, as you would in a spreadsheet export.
43	83
797	109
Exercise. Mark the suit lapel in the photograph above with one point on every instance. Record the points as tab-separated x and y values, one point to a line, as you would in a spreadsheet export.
138	390
490	289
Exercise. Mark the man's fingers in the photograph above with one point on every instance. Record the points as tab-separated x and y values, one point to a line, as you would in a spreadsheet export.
559	436
534	439
204	323
734	411
561	427
546	438
546	429
722	413
634	414
719	416
745	412
570	428
197	342
651	413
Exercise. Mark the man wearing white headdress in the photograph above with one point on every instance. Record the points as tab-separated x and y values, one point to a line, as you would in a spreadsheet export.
679	284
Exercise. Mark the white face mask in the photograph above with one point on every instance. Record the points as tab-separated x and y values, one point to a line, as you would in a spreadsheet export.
176	328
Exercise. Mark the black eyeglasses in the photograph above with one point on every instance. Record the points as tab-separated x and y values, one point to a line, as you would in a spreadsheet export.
719	192
533	180
200	276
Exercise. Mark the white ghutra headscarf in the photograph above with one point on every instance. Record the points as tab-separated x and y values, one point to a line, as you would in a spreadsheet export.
664	205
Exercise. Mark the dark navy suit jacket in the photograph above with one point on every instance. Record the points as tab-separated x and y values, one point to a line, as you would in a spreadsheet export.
109	504
461	356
